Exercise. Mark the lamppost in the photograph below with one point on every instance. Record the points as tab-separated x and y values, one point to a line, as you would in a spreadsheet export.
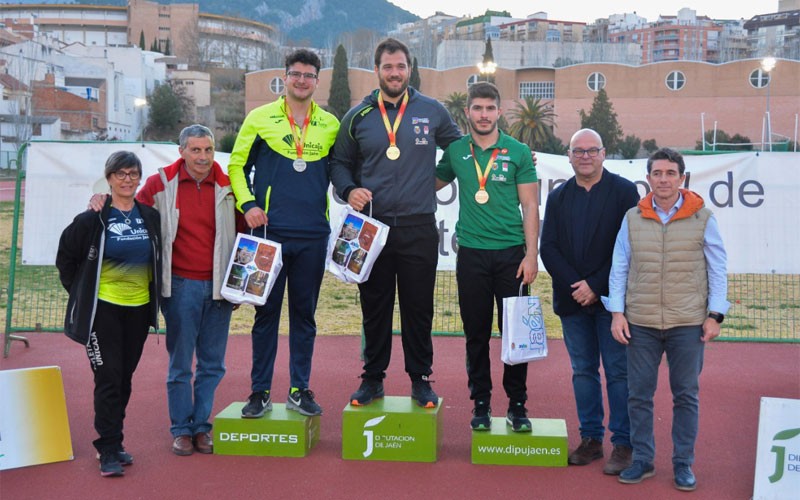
767	65
487	67
140	103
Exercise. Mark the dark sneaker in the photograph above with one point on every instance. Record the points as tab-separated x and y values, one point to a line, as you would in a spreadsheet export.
517	417
619	461
481	416
587	452
369	390
258	403
422	393
123	457
109	464
684	478
637	472
302	401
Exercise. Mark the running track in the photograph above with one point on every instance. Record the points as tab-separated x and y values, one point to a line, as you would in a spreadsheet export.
736	375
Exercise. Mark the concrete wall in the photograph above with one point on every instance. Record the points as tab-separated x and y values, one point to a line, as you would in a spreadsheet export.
644	105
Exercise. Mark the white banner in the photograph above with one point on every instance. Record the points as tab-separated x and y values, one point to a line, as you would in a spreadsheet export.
61	177
751	194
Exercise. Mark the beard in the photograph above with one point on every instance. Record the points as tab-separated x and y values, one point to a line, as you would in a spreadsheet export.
393	93
474	127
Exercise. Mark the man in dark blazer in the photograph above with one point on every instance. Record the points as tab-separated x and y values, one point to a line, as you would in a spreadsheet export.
581	221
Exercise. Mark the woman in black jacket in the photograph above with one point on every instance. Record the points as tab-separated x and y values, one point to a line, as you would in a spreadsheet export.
110	263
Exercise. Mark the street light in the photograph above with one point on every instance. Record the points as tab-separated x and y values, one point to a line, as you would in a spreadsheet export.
767	65
487	69
140	103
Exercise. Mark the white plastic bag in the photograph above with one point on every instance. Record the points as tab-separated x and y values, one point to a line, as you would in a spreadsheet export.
355	245
524	336
252	270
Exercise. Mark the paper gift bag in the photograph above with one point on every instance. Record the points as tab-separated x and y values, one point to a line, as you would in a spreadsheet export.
355	245
524	336
252	270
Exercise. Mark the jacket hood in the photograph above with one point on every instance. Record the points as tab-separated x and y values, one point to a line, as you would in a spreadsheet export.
692	203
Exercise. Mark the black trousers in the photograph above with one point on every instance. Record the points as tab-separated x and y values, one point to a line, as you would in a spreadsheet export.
484	278
407	263
115	347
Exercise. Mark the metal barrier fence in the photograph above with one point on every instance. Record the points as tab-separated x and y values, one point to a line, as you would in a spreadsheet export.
765	308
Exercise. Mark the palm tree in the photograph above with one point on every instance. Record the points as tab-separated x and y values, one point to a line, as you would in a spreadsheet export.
455	104
532	123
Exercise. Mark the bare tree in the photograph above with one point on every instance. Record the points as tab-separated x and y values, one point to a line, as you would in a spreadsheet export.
25	66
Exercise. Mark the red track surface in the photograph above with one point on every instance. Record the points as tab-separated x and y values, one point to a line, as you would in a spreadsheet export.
734	378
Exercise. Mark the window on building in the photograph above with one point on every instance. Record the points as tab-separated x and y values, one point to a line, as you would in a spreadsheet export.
473	79
675	80
541	90
759	78
596	81
276	85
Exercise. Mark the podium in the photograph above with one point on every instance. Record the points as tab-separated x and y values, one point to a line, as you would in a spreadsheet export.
279	433
391	429
545	446
34	428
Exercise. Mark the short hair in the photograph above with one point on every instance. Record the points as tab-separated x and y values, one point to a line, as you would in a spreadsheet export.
303	56
666	154
391	46
195	130
483	90
122	159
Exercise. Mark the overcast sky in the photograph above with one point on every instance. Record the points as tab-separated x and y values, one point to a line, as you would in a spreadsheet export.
588	11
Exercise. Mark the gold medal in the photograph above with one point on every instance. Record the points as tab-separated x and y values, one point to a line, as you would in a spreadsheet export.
299	165
393	152
481	197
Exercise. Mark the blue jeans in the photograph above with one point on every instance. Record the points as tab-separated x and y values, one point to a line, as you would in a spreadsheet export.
196	325
303	267
587	336
685	360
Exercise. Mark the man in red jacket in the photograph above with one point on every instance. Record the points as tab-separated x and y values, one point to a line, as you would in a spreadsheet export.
196	204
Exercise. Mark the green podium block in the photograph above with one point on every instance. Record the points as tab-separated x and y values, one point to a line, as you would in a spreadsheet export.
391	429
279	433
545	446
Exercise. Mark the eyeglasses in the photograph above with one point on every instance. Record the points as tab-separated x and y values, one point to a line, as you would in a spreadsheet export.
134	175
592	152
296	75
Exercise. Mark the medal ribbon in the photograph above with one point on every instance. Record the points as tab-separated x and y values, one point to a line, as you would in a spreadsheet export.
391	130
299	140
483	176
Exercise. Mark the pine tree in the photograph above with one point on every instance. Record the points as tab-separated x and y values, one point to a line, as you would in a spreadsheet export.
488	61
141	40
603	120
339	98
167	48
488	54
154	46
414	80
